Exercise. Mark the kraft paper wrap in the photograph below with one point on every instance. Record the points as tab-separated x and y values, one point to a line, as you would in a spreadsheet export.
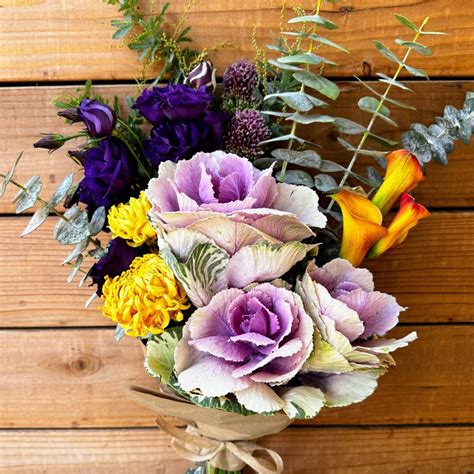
216	436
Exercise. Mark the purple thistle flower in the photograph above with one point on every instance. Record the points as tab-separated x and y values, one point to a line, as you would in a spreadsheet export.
240	78
247	129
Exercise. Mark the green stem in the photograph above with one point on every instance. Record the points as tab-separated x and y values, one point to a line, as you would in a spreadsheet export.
214	470
374	116
141	166
131	131
302	89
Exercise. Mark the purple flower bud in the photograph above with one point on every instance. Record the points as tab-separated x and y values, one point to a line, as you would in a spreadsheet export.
204	74
98	117
51	142
247	129
70	114
78	156
240	78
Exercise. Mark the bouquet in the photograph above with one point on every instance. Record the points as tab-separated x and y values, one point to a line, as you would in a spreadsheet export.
233	251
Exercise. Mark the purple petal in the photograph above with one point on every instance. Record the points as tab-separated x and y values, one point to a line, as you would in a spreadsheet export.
265	190
253	338
284	228
378	311
222	347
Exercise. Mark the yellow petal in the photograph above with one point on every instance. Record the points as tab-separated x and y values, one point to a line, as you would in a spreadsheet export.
402	175
361	225
405	219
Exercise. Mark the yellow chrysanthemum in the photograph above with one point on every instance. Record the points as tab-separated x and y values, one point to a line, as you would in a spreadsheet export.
129	221
144	298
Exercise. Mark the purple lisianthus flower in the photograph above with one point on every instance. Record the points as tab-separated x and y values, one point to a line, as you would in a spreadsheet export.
173	102
118	259
244	342
98	117
109	172
180	139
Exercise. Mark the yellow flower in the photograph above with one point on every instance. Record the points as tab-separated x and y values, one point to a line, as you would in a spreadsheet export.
129	221
402	175
362	225
406	218
144	298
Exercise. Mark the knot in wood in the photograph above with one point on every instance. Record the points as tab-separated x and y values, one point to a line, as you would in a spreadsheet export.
84	364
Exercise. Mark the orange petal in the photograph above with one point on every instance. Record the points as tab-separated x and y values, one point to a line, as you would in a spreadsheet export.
361	225
403	173
406	218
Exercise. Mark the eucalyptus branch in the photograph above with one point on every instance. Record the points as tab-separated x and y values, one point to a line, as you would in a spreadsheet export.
302	89
377	110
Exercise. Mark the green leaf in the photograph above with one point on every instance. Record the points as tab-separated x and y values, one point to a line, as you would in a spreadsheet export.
305	58
406	22
308	119
286	67
61	191
159	360
370	104
386	52
201	274
316	38
372	153
319	20
299	101
97	221
418	47
306	158
9	175
433	33
76	251
383	141
297	177
415	72
325	183
36	220
319	83
27	197
76	268
389	80
74	229
348	127
331	167
284	138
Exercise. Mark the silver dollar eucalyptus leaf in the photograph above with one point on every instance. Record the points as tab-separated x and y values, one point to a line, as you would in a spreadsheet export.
27	197
74	228
98	220
9	176
77	250
38	218
306	158
61	191
297	177
77	267
325	183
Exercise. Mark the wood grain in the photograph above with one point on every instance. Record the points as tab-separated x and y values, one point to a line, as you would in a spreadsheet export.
431	273
75	378
73	40
327	450
27	112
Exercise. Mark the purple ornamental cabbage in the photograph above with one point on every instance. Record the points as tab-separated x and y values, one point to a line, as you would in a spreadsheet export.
350	319
252	225
98	117
243	343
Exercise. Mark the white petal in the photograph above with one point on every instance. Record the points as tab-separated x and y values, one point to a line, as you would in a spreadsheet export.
259	398
309	400
302	202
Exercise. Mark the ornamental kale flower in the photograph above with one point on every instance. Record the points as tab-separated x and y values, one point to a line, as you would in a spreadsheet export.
250	227
109	173
118	259
350	317
244	342
204	74
181	139
173	102
145	298
240	78
98	117
247	129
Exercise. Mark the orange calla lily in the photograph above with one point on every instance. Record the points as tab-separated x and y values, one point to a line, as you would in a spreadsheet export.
406	218
361	225
403	173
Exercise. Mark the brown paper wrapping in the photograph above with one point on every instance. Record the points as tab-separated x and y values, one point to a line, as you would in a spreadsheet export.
214	435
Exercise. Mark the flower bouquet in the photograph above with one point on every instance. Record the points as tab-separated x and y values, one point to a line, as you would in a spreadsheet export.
234	250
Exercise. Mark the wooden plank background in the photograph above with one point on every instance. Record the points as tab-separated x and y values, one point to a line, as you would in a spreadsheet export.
62	375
